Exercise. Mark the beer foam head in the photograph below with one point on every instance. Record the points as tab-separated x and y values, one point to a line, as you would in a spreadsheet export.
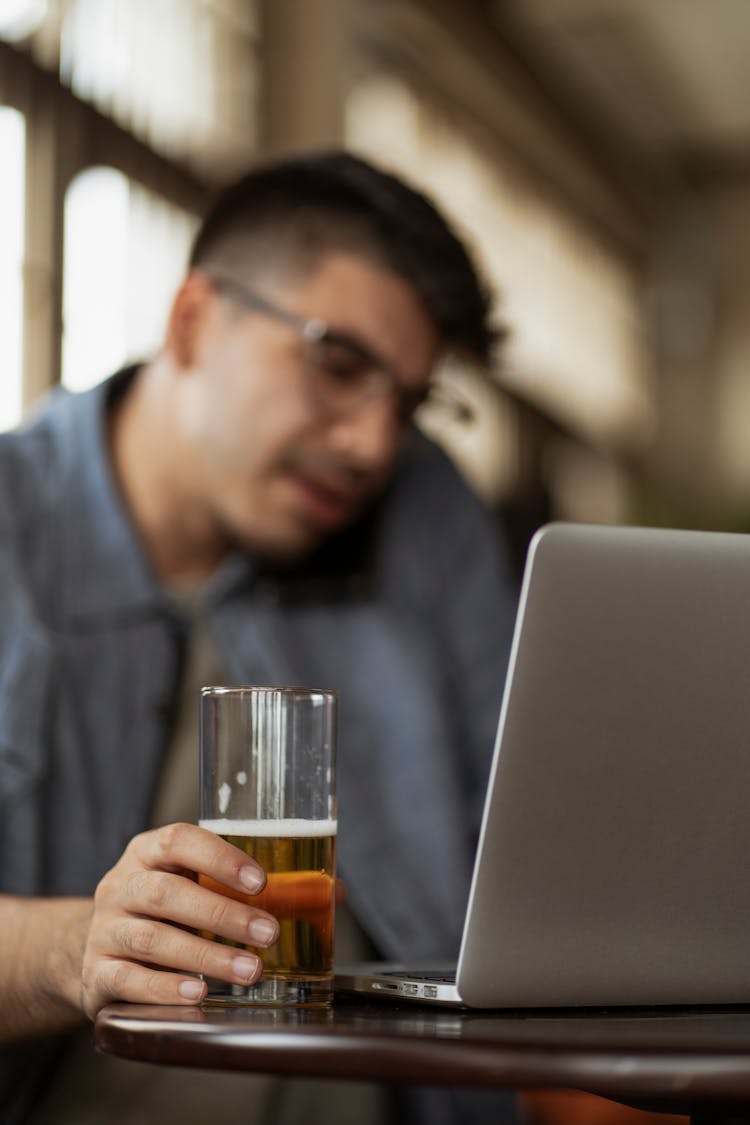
289	829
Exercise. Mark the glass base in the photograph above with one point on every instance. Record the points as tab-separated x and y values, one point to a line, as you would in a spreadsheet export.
273	992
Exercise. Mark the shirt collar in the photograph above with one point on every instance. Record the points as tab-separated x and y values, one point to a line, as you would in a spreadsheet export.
105	571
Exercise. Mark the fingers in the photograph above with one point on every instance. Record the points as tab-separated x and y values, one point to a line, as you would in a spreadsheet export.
138	949
160	944
128	978
124	980
164	895
188	847
150	879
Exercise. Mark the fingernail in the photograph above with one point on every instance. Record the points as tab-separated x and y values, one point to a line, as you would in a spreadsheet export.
191	989
252	878
245	967
263	931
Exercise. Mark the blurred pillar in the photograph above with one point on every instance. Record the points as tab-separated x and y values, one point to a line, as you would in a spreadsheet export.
304	73
683	302
45	187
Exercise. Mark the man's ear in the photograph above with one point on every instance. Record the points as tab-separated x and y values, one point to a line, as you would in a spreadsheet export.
187	317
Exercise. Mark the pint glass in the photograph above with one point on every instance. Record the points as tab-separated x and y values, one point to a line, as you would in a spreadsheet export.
267	762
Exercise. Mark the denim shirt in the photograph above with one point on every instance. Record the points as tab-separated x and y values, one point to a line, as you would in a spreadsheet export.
90	651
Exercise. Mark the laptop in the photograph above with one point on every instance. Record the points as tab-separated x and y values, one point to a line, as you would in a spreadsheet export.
613	864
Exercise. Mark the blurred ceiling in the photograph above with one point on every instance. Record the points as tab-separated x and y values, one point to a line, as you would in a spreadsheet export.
670	77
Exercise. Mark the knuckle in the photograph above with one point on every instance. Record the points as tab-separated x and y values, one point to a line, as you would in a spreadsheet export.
220	917
138	847
134	886
170	837
204	958
105	888
139	938
153	986
137	841
155	889
115	979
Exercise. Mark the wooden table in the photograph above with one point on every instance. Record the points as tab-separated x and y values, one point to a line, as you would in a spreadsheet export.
680	1061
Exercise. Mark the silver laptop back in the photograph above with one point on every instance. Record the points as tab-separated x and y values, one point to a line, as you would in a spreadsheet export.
612	860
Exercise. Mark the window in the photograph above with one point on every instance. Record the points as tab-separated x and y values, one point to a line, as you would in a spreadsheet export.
12	211
180	74
18	18
124	253
575	345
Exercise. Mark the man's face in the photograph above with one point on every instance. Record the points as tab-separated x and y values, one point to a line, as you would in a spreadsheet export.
278	466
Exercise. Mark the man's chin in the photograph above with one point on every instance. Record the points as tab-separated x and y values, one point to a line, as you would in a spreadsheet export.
288	546
296	531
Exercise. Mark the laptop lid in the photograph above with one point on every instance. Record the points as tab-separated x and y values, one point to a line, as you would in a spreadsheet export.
611	867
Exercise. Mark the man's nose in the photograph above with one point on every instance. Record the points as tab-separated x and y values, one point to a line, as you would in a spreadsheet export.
369	435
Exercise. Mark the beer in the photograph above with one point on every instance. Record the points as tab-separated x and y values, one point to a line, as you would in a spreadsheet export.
267	754
298	857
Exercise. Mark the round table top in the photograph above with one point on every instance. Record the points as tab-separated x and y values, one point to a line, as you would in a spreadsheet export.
670	1059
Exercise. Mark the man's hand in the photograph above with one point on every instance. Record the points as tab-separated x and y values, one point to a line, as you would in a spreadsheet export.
139	947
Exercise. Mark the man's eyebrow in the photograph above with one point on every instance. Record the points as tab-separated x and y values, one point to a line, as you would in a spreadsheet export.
351	340
371	355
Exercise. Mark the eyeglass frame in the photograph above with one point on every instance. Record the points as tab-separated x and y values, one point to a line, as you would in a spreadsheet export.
315	330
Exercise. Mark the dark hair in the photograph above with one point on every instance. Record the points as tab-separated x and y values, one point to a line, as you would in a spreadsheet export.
295	210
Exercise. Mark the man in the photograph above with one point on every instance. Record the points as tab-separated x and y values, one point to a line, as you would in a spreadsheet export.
252	506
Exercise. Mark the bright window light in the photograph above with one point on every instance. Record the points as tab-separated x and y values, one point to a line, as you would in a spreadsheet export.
181	74
124	252
575	346
95	276
18	18
12	146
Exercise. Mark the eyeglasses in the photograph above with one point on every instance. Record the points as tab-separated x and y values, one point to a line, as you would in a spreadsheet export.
346	372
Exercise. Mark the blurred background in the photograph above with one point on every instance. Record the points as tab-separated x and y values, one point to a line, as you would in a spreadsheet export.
596	154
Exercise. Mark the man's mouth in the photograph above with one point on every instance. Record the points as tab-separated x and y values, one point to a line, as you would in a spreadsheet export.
329	502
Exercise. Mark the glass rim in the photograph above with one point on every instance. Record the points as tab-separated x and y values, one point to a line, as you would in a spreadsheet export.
251	689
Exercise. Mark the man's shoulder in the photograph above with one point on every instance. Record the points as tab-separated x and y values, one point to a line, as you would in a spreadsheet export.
424	459
26	477
35	494
29	485
30	464
429	495
435	526
43	461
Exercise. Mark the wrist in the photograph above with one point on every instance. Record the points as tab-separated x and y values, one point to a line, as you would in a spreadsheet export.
41	952
61	974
